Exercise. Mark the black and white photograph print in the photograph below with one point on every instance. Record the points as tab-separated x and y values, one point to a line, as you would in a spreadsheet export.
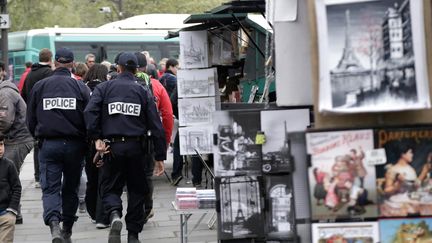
276	124
236	152
196	137
196	111
241	213
280	218
372	56
193	49
196	82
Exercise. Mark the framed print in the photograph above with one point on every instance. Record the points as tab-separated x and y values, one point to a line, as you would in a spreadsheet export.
404	184
341	183
236	152
196	137
193	49
196	111
366	232
372	56
280	218
406	230
241	209
277	149
196	82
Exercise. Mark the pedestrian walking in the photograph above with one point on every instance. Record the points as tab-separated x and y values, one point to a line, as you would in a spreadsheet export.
56	119
123	112
38	71
18	141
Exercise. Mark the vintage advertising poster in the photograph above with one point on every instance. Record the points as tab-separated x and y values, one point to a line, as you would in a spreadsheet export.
196	137
404	183
418	230
193	49
236	151
280	218
241	213
196	111
372	55
341	182
366	232
276	124
196	82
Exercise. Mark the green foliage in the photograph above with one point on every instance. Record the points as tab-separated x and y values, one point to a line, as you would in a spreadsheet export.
34	14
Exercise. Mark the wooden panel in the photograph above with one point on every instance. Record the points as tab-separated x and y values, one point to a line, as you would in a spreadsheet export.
368	119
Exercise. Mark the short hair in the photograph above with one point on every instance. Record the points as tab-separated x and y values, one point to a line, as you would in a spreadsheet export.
2	66
45	55
28	64
171	63
163	61
80	69
90	55
2	137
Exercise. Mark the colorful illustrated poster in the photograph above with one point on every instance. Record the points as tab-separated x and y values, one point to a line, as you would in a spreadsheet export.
341	183
365	232
404	184
372	55
416	230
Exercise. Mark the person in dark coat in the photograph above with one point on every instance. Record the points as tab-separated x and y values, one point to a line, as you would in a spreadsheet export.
38	71
10	197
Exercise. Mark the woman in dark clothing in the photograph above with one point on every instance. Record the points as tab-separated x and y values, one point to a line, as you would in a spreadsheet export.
169	81
96	75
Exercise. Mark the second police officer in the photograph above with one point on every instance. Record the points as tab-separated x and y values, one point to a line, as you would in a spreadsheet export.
56	119
122	112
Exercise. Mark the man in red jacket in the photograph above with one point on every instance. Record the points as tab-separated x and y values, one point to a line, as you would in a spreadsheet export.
163	104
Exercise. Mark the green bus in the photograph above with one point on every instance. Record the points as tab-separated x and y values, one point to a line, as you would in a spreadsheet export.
139	33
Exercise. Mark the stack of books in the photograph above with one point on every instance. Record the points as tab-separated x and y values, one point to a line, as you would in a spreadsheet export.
186	198
206	198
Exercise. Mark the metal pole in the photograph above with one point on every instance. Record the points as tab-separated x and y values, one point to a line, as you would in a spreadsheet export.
4	40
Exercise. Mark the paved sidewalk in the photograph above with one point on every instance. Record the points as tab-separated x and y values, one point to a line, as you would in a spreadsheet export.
164	227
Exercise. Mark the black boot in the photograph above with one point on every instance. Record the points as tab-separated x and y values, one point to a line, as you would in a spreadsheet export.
67	232
116	226
133	238
56	232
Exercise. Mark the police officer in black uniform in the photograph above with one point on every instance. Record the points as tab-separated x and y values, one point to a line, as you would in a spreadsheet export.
123	112
56	119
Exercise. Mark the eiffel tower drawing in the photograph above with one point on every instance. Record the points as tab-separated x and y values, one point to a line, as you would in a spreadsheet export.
348	61
240	217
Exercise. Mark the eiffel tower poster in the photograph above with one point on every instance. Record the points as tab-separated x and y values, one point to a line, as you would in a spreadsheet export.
241	212
372	56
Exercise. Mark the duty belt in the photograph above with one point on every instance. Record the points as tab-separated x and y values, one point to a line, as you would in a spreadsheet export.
124	139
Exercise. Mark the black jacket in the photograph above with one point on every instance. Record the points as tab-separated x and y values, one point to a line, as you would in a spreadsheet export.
13	114
123	108
56	106
10	192
37	73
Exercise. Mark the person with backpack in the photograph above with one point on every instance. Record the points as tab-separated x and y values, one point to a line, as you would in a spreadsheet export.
163	105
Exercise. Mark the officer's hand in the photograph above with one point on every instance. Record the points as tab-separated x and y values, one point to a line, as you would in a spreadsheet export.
101	147
159	168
